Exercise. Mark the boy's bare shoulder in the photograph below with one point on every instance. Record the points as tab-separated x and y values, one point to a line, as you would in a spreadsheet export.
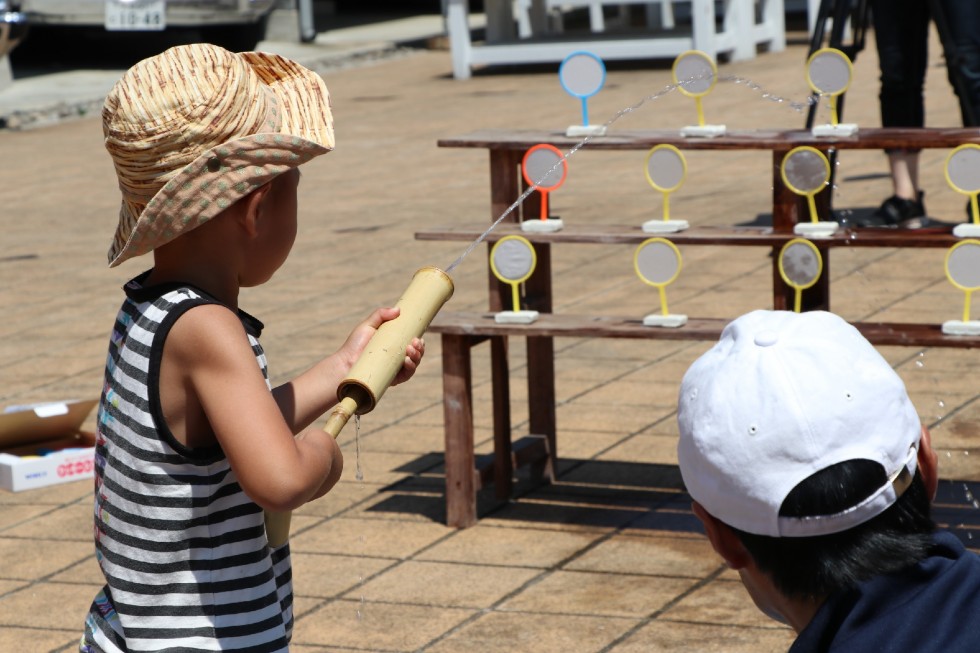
209	334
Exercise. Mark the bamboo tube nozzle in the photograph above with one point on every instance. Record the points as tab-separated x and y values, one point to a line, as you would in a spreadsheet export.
378	365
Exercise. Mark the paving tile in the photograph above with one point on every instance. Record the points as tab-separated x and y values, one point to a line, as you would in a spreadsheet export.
38	599
419	433
85	571
370	537
499	546
365	626
74	522
346	495
52	495
667	635
555	507
16	639
646	448
458	585
723	601
33	559
16	515
323	575
8	586
598	594
653	555
534	633
576	445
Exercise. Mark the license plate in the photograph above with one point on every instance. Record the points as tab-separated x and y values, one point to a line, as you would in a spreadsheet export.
135	15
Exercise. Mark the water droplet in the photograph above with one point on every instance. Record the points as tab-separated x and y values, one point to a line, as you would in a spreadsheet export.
359	474
942	404
919	364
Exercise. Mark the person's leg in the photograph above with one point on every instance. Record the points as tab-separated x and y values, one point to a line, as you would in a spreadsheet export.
962	29
901	36
904	167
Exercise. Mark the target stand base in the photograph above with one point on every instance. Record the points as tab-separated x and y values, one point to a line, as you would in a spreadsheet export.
585	130
967	230
816	229
704	131
665	226
961	328
841	129
515	317
670	321
542	226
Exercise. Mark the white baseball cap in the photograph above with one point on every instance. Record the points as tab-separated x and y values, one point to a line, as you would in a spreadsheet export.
781	396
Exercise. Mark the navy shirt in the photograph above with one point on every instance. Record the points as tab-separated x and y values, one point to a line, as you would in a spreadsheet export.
933	607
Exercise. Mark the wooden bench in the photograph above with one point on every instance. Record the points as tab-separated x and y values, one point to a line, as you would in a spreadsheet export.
460	332
741	27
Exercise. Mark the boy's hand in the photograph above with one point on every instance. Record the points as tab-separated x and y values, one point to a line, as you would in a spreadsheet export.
413	356
358	339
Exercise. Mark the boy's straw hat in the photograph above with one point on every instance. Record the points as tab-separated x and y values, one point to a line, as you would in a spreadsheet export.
780	397
196	128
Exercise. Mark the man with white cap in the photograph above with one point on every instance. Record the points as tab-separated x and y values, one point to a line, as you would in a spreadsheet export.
813	476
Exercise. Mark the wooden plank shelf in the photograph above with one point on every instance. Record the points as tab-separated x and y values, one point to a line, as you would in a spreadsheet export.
734	236
560	325
867	138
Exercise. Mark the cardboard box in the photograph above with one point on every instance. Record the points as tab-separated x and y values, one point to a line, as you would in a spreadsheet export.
43	444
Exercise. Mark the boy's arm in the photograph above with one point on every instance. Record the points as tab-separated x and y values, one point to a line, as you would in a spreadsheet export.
209	355
313	393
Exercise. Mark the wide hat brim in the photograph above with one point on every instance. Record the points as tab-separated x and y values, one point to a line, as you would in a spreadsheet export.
300	129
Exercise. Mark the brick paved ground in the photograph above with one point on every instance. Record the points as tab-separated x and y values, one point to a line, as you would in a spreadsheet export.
607	559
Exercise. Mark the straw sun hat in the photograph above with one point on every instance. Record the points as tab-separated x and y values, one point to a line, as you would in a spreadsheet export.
196	128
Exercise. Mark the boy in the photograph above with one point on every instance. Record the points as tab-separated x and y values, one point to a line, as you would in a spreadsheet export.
813	477
191	443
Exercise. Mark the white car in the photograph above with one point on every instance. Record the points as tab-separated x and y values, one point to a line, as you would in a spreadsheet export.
242	23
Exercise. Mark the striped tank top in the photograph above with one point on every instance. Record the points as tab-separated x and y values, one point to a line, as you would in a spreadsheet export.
182	548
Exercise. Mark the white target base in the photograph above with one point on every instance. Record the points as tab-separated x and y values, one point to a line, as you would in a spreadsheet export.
665	226
515	317
815	229
671	320
542	226
842	129
967	230
960	328
585	130
704	131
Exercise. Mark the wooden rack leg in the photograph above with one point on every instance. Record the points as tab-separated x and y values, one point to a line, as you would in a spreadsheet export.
541	400
458	416
503	470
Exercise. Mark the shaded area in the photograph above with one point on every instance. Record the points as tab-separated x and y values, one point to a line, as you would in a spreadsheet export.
620	494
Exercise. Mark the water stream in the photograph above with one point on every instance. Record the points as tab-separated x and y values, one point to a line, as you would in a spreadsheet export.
794	105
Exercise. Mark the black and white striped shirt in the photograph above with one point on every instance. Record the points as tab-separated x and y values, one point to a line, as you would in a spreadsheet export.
182	548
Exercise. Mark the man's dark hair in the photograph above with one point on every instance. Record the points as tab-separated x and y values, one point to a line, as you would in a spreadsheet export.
813	567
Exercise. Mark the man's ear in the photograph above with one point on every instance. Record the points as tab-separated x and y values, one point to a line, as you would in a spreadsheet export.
723	539
928	463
